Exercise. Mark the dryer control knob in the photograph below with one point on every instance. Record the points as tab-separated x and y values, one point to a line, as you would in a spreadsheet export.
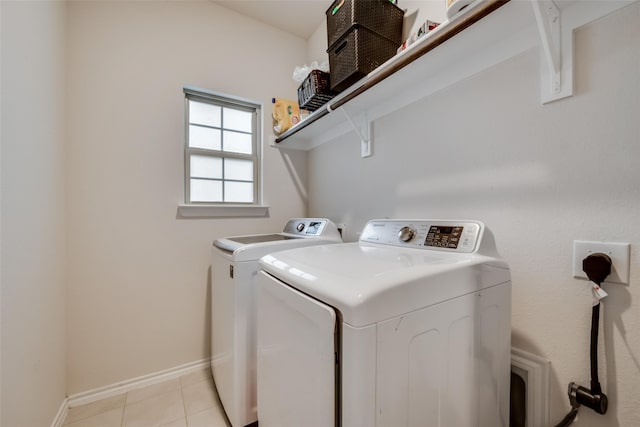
300	227
406	234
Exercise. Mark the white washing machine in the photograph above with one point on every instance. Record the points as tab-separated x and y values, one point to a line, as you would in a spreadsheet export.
233	271
410	326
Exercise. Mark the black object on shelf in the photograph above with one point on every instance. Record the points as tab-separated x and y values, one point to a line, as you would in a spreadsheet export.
357	53
315	91
381	16
361	35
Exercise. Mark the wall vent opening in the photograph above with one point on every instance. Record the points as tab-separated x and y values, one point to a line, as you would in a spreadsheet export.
518	404
529	389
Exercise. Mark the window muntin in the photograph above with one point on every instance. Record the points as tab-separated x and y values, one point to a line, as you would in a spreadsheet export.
221	148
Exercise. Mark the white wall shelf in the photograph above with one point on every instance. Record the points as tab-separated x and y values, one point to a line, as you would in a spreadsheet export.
486	33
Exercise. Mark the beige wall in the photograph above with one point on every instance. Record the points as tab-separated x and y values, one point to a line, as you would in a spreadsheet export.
539	177
138	299
33	213
317	45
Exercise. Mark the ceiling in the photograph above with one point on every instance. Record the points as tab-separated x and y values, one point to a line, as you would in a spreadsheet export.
298	17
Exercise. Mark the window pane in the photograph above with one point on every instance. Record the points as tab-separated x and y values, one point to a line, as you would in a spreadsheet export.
238	169
206	167
201	137
204	114
237	142
237	120
238	192
206	191
222	148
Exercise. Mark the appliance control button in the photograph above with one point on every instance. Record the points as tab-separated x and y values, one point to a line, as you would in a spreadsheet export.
406	234
300	227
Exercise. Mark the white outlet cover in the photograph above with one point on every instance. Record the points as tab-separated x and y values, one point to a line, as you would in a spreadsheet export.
618	252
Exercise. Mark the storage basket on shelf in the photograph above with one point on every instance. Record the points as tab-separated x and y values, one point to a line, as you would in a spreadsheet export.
356	54
381	16
361	35
314	91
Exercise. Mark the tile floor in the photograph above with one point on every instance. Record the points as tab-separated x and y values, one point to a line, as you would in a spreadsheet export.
188	401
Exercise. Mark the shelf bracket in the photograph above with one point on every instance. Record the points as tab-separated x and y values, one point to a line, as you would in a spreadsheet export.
556	27
364	132
548	19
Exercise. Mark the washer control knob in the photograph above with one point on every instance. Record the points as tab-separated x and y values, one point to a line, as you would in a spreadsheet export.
406	234
300	227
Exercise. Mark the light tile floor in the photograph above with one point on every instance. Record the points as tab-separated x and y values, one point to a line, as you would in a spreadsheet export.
188	401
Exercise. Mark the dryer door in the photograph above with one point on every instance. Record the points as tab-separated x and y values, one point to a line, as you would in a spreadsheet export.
296	357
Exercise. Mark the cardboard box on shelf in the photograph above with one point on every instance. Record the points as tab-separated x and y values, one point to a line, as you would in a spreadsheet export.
425	28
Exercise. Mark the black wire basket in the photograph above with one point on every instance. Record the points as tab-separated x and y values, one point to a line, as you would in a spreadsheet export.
315	91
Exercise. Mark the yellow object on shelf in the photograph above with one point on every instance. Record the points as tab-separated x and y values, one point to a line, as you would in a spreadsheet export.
286	113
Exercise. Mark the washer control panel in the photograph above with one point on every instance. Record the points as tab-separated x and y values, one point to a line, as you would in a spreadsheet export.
305	226
443	235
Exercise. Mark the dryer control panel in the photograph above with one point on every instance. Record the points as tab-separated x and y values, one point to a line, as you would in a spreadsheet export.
442	235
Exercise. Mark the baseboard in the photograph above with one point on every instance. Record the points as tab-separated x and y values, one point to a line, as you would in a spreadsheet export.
62	414
133	384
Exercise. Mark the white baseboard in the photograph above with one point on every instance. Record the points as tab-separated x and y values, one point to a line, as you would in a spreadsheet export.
132	384
62	414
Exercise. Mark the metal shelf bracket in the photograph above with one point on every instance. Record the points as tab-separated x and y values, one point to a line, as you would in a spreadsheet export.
364	131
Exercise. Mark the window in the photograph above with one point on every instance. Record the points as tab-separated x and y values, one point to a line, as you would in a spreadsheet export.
222	140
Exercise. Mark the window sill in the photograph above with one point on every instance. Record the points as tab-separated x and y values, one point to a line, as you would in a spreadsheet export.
222	211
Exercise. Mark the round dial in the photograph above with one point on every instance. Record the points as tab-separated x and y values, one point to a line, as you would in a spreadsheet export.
300	227
406	234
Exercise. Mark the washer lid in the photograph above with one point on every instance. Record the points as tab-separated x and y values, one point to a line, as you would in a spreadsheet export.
298	232
369	282
233	243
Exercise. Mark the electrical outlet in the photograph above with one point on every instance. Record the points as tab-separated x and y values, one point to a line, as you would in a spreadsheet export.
618	252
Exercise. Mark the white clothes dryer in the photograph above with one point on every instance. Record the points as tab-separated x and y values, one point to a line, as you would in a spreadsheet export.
410	326
234	268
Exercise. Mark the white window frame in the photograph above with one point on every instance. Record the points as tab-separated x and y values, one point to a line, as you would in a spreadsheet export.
223	209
